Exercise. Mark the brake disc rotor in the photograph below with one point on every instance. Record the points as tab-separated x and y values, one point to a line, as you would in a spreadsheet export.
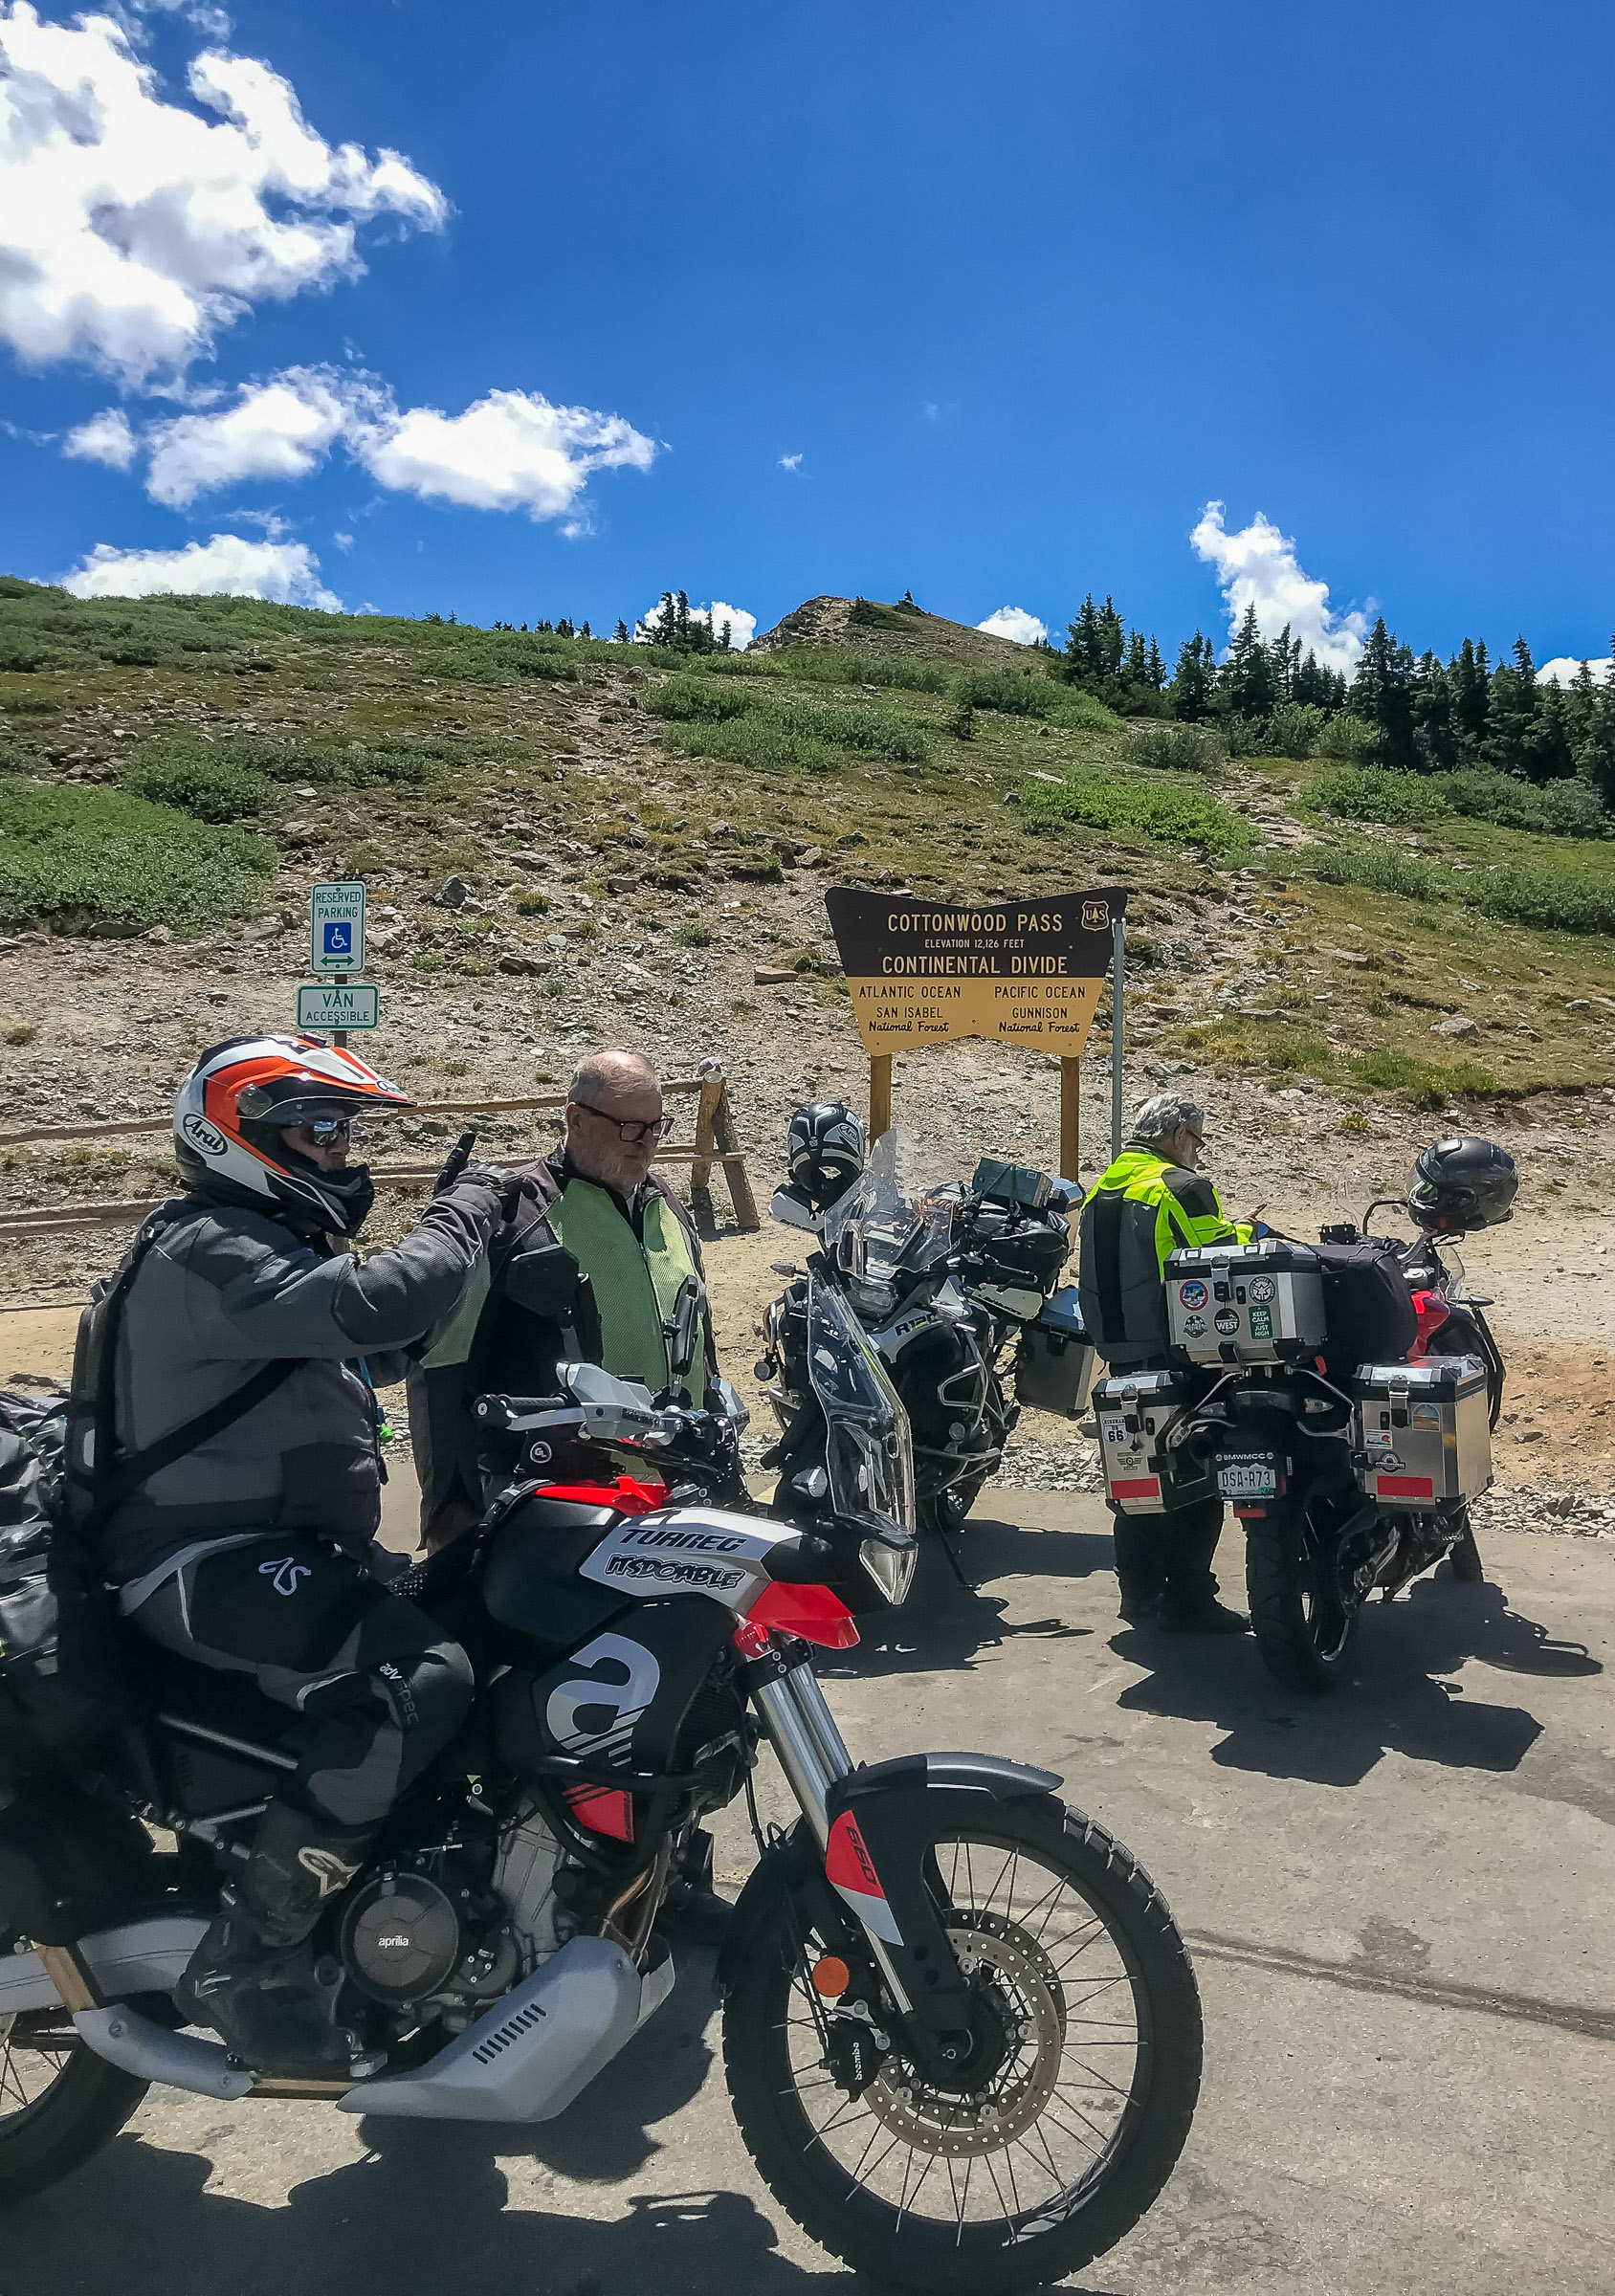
1003	1961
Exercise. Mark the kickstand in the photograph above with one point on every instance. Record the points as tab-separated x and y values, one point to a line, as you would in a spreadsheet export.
955	1565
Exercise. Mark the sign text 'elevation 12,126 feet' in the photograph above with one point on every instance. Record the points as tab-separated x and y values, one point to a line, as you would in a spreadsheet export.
1027	971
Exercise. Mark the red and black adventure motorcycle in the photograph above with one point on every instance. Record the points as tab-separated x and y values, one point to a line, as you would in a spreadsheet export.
961	2032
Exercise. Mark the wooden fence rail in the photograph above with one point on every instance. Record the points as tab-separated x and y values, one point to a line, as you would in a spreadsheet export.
717	1141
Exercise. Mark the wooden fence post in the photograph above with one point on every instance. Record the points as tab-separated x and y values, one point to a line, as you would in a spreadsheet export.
879	1093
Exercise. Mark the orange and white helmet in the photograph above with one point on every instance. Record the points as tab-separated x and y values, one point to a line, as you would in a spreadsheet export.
230	1116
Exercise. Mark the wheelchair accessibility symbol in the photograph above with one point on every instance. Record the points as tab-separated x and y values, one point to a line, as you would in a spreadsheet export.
338	939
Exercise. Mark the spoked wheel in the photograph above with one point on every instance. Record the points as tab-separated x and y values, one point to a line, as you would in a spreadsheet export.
1068	2114
58	2100
1303	1614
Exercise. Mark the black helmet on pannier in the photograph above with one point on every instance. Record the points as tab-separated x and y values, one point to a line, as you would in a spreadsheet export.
825	1151
1461	1183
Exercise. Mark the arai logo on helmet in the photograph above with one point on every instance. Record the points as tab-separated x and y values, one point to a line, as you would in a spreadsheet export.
1192	1295
206	1139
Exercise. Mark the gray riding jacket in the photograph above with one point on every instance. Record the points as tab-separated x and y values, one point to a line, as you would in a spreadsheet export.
226	1289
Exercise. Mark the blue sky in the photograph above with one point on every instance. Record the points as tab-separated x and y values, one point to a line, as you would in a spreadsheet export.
1023	289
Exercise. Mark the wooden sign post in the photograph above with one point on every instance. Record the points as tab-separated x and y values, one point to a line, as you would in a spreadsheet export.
1027	972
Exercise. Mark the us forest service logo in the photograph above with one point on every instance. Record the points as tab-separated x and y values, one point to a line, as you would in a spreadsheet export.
1027	971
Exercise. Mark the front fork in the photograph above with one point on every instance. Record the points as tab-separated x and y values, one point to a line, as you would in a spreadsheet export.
811	1752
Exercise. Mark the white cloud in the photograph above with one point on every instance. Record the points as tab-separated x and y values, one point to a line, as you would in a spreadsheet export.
1564	670
106	438
132	229
1258	566
790	462
510	450
279	429
227	566
743	627
1015	623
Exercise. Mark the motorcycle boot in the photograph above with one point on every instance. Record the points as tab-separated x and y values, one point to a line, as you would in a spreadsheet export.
252	1978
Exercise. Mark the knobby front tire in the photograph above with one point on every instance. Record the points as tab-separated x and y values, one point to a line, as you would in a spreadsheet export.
1079	2128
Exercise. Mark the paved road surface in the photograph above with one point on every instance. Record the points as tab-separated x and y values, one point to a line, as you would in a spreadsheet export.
1400	1902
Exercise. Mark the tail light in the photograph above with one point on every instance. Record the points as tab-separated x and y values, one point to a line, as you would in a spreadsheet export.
1432	1312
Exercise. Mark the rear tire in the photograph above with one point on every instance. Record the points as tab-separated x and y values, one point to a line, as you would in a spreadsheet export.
1304	1630
1134	2006
58	2102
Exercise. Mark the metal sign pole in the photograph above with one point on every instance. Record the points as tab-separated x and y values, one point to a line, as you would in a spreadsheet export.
1119	1013
338	1036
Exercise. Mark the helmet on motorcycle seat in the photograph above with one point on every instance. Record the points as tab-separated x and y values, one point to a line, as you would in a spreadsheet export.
1463	1182
825	1150
231	1117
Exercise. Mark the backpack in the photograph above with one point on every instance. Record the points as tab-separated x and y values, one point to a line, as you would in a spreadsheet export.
45	1714
60	1480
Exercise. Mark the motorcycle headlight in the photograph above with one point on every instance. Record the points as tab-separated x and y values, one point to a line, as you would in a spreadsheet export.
890	1561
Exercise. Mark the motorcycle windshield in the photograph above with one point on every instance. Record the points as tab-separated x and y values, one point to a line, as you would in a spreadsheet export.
899	1215
868	1453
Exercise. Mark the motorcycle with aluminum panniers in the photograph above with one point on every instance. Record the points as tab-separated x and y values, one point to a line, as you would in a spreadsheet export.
1341	1395
961	2032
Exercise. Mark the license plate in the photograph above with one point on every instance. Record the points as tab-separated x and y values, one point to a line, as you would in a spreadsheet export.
1248	1479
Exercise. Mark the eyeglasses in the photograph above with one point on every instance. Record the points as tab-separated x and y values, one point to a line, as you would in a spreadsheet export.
633	1129
325	1131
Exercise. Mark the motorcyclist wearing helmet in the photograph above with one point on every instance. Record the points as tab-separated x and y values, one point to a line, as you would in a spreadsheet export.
252	1553
1150	1200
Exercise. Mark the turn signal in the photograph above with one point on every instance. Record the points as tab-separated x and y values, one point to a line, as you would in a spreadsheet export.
831	1977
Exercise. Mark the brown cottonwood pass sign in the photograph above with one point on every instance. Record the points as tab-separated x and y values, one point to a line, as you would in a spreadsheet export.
1026	971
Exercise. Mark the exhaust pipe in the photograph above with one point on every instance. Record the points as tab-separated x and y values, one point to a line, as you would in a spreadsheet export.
126	2039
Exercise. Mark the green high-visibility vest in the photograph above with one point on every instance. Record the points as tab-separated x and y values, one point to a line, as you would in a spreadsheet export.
636	1280
1136	1213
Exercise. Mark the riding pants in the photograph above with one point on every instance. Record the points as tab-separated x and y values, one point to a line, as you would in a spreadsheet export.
383	1687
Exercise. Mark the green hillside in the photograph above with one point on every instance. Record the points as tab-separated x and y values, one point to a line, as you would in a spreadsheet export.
161	760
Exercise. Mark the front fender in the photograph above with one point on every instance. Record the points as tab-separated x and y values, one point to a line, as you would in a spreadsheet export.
885	1821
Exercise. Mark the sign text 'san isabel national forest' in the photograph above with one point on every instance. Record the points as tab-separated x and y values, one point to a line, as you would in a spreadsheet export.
1027	971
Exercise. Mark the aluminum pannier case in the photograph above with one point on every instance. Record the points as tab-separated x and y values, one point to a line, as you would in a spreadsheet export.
1134	1410
1245	1303
1054	1357
1421	1432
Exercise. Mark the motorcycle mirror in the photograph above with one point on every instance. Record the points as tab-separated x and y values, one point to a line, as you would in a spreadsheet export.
682	1330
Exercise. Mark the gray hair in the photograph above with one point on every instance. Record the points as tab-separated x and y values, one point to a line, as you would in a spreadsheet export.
1161	1117
600	1073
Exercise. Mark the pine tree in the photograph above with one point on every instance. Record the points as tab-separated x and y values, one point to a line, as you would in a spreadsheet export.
1191	680
1155	668
1134	668
1470	682
1435	736
1246	679
1381	693
1084	644
1512	714
620	634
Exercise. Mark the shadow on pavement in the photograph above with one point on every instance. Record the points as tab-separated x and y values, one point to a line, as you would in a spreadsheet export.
1393	1703
944	1624
414	2221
